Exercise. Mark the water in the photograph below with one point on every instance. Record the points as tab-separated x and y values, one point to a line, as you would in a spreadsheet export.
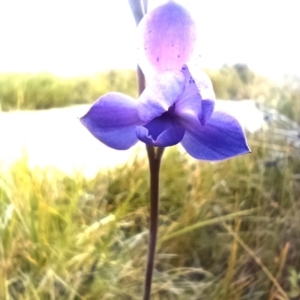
56	138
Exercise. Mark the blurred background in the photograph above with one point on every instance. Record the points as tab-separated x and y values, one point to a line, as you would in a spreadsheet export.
74	214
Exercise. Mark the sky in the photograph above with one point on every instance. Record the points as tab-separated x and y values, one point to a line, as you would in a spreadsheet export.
83	37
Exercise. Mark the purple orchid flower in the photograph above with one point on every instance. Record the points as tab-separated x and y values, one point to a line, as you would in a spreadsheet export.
178	102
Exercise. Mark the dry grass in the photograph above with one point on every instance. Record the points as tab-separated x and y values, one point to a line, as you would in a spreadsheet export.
228	230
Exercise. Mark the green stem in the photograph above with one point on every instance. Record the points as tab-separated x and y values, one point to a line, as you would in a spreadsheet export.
141	80
154	157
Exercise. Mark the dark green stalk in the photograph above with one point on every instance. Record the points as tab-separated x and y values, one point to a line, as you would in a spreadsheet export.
154	158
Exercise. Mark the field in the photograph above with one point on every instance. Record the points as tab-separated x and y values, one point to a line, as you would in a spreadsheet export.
228	230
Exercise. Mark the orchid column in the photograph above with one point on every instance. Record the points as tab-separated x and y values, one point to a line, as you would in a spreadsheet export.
177	105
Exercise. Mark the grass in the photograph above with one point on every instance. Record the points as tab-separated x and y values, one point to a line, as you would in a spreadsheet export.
228	230
43	91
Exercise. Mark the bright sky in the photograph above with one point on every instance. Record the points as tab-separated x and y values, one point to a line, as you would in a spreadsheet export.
72	37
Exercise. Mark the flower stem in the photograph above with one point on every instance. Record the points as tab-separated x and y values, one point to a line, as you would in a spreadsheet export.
154	157
141	80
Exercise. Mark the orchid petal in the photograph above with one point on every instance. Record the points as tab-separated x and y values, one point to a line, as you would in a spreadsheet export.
206	91
145	5
222	137
163	131
112	119
167	37
208	107
189	101
137	10
160	95
203	82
